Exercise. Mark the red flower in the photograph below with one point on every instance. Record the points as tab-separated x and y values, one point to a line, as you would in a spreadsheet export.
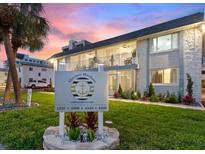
116	94
187	99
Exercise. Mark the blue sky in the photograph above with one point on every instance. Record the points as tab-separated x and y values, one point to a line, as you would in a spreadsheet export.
95	22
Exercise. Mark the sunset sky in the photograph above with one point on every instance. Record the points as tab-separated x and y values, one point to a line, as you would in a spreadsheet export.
94	22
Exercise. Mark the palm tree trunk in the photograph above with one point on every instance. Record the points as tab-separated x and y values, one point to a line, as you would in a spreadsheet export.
7	93
12	65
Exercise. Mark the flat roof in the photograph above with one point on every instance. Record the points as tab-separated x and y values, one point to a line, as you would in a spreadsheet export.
36	65
187	20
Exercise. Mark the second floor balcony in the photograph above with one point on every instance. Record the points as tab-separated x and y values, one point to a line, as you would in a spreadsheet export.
108	61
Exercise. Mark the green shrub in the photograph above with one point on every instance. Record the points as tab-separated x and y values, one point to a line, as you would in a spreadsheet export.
138	95
120	91
154	98
172	99
167	94
91	135
151	90
126	95
162	97
73	133
134	95
189	85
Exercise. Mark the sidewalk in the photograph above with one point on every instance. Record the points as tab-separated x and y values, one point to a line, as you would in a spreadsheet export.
160	104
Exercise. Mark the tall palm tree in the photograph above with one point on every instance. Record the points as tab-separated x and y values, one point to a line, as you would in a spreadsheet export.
28	31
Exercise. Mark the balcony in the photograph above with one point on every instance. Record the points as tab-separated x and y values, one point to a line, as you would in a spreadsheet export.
109	61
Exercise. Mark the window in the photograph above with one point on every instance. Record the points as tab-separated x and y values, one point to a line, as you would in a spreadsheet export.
44	79
19	69
39	74
39	81
44	69
30	79
30	68
166	42
164	76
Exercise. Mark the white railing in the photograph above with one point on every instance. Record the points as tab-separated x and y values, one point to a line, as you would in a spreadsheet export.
114	60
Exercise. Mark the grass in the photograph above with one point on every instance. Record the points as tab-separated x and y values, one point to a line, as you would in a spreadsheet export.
141	126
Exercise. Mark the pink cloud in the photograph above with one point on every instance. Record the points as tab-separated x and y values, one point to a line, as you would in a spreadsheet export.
77	21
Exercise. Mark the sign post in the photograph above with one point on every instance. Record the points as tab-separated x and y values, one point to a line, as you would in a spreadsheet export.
61	124
29	96
100	113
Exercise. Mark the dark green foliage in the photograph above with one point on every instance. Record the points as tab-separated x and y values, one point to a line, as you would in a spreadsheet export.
91	120
168	94
138	95
73	133
151	90
91	135
172	99
189	85
154	98
134	95
120	91
160	96
72	120
126	94
134	53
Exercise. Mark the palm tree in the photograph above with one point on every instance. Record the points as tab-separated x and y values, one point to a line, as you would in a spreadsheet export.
28	31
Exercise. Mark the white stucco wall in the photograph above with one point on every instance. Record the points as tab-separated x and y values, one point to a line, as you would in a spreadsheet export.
192	56
142	51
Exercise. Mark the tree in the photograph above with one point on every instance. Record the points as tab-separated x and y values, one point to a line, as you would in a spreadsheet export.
28	31
151	90
120	90
189	85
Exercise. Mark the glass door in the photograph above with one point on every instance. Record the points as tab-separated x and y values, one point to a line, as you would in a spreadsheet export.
113	84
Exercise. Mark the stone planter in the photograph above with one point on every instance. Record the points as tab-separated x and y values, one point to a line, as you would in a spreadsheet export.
52	141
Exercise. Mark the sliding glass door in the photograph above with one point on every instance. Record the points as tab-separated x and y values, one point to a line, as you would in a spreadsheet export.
125	78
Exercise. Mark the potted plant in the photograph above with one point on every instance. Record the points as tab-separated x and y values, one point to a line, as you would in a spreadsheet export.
134	56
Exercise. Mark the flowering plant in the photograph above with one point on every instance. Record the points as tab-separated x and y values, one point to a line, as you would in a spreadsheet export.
188	99
116	94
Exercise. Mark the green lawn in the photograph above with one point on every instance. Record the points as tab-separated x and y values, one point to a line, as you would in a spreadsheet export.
140	126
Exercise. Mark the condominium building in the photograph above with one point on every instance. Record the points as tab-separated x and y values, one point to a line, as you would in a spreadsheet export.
161	54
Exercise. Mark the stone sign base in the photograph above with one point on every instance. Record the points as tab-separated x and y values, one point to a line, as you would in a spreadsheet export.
52	141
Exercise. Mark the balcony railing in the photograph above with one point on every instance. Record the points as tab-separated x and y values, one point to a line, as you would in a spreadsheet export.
114	60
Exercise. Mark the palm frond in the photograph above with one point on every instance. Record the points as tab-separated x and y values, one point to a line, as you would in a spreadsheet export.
30	30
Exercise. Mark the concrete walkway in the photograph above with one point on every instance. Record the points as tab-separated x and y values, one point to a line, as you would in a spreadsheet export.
160	104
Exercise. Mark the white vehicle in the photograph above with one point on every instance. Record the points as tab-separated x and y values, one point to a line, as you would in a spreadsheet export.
37	84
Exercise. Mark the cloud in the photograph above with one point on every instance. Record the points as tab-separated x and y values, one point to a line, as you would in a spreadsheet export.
95	22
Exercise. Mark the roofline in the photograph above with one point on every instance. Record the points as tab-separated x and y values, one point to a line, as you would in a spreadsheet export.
35	65
172	24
